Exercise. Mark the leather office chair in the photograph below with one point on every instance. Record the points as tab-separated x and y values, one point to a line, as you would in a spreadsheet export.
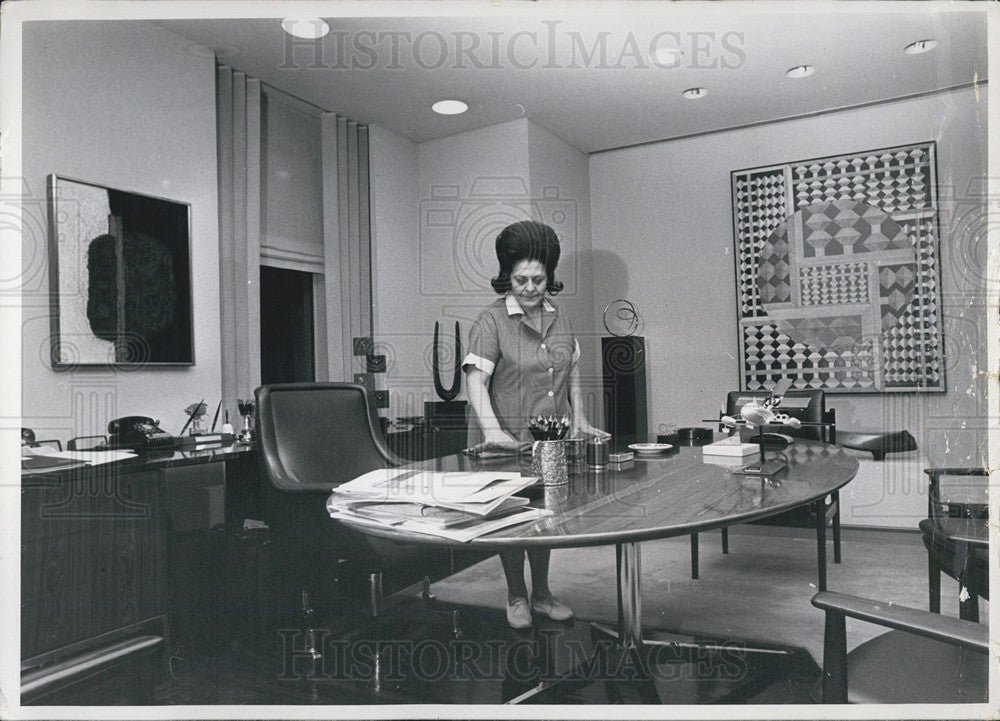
946	534
809	407
927	658
312	437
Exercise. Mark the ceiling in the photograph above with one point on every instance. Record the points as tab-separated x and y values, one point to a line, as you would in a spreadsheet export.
584	72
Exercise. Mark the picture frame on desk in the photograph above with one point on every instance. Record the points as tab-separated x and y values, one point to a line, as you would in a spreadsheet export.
119	277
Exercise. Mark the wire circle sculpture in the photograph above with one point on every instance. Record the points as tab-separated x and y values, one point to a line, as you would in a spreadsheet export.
621	318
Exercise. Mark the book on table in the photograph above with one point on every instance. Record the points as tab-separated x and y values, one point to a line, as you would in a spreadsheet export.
200	441
421	514
463	532
456	505
471	491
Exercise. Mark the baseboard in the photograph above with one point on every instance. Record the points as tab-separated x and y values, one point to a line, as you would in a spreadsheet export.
888	535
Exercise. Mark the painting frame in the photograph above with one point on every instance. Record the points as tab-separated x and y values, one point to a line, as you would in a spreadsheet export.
838	273
120	277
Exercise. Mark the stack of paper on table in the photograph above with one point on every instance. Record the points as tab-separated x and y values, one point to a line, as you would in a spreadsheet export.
456	505
730	446
44	457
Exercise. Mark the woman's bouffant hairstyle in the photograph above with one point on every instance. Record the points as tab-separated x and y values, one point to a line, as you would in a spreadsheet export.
527	240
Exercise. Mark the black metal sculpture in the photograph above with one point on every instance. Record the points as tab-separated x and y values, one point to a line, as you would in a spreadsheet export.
448	394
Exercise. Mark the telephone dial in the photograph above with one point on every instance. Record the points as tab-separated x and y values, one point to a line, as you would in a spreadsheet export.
139	433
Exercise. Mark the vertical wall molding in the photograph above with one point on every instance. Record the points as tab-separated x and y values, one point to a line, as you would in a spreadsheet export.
239	156
337	368
347	226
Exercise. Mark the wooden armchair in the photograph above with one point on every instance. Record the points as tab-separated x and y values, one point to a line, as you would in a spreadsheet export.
926	658
955	535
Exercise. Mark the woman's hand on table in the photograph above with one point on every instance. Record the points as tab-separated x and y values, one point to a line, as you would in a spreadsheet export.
583	428
497	442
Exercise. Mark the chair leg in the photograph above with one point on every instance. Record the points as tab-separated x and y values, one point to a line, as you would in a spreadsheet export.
725	539
694	556
375	599
618	586
836	527
821	542
968	609
933	584
375	594
835	659
425	590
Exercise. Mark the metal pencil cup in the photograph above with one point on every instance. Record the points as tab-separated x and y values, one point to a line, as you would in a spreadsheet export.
597	453
548	461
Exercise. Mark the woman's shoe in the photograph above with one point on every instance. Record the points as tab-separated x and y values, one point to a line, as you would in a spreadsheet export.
518	613
551	607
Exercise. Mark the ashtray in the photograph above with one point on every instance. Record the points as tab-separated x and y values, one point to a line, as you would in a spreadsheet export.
650	449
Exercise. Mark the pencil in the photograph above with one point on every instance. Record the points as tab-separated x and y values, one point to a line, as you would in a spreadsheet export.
216	418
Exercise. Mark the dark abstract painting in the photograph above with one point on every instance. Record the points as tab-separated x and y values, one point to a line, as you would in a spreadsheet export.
121	276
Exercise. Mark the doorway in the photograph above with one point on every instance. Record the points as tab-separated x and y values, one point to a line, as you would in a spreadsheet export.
287	336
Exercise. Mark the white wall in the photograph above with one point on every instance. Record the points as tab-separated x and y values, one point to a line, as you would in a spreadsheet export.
397	312
560	188
437	208
663	237
130	106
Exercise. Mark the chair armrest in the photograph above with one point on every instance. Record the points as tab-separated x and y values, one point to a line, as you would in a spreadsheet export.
922	623
936	472
878	444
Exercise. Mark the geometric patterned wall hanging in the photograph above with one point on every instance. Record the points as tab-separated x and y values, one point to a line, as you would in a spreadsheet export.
837	277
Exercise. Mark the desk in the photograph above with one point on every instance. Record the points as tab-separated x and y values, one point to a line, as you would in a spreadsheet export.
660	497
94	549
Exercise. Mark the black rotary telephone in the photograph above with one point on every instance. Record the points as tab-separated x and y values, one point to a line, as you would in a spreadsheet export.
140	433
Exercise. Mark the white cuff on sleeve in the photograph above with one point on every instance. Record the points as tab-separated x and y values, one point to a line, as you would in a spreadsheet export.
576	352
483	364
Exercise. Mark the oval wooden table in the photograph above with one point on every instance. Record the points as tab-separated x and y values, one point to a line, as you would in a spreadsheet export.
655	497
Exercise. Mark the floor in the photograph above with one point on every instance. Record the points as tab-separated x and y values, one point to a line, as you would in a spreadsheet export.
458	649
423	661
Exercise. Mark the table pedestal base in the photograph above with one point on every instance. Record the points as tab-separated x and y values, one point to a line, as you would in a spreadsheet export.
624	659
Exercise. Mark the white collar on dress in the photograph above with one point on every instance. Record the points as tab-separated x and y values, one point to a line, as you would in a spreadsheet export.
514	308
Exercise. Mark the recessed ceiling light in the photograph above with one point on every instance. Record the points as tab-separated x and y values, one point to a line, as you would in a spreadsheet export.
800	71
666	57
305	28
449	107
921	46
693	93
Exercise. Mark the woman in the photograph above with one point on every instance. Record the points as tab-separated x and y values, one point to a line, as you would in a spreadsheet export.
522	363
